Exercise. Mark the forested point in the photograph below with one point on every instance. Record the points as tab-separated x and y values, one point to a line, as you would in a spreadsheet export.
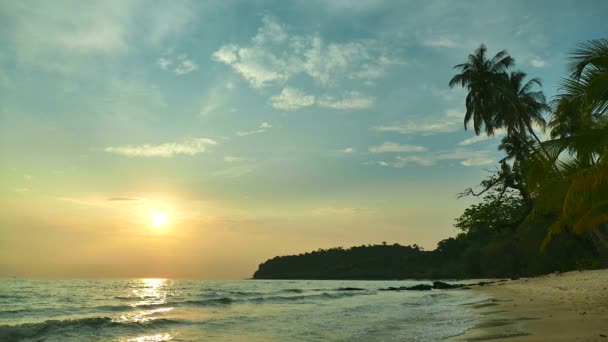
545	206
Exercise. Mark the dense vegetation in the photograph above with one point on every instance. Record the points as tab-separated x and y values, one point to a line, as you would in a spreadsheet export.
544	209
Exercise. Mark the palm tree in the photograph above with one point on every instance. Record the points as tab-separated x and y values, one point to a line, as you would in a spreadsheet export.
482	77
579	126
589	75
521	106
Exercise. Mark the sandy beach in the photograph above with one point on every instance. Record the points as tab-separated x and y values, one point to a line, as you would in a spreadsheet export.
569	306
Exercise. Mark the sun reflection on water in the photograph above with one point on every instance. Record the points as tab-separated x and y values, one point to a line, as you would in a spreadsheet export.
151	291
148	294
151	338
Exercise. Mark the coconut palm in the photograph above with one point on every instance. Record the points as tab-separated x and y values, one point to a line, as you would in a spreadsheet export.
579	126
588	79
482	77
520	106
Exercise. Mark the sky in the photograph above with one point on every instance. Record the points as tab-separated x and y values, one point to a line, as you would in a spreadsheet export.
260	128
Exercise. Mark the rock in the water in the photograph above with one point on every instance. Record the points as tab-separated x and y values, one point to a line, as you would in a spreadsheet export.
439	285
420	287
401	288
349	289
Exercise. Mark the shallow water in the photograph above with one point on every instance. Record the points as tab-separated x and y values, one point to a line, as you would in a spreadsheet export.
247	310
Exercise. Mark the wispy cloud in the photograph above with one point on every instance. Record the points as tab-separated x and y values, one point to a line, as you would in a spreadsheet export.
352	100
465	158
263	127
418	127
482	137
449	123
183	64
348	150
389	147
291	99
124	199
187	147
537	62
274	56
339	211
442	42
234	172
234	159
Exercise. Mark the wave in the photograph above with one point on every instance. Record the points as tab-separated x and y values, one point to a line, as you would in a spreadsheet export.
292	291
55	327
209	302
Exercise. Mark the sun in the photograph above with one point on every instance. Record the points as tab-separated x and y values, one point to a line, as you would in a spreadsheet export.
159	219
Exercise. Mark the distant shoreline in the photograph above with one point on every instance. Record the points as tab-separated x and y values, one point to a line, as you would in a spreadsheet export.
570	306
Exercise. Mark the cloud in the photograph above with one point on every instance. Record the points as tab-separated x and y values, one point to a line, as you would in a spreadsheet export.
187	147
352	100
449	123
442	42
348	150
454	113
482	137
263	127
417	127
233	159
69	40
97	38
164	63
389	147
183	65
291	99
274	56
338	211
465	157
124	199
537	62
234	172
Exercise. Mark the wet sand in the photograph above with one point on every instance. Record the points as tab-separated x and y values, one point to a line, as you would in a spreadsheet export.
569	306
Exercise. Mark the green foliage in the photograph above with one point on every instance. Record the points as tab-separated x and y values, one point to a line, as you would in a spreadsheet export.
494	212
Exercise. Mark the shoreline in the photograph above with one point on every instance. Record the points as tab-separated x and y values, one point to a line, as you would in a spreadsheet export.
570	306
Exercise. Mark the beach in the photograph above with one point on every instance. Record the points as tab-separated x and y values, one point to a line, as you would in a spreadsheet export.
570	306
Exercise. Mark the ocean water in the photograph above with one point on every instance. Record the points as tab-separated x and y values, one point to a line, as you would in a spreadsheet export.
247	310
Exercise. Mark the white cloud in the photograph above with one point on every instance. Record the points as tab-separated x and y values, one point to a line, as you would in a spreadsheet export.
482	137
187	147
233	159
234	172
442	42
274	56
449	123
537	62
415	127
338	211
164	63
186	66
352	100
348	150
292	99
465	158
454	113
389	147
263	127
95	39
183	65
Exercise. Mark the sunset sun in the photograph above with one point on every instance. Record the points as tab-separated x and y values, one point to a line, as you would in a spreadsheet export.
159	219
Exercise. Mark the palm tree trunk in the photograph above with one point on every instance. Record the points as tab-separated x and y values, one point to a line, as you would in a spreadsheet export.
531	130
601	245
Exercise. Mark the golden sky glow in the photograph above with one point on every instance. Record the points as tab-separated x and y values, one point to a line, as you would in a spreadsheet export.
258	130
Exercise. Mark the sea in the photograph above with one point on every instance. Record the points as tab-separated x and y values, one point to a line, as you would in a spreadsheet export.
244	310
